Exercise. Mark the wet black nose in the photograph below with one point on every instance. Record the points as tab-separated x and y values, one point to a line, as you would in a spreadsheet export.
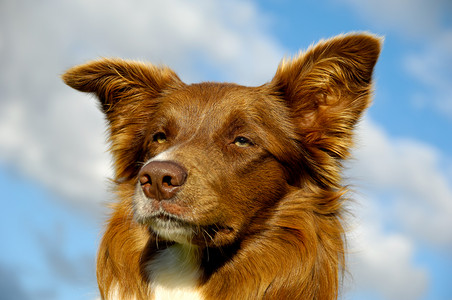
161	180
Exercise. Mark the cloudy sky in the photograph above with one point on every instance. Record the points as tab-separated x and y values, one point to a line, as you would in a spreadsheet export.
53	160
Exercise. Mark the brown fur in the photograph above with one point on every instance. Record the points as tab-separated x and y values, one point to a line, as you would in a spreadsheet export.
269	214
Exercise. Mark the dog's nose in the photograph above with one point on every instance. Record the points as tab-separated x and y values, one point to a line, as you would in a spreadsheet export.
161	180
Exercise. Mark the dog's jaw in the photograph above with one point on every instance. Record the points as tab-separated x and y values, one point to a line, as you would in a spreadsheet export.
165	225
172	229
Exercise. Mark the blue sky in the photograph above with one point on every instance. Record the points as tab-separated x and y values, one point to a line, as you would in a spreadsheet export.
54	164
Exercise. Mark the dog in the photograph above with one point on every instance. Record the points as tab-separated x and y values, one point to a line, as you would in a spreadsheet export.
227	191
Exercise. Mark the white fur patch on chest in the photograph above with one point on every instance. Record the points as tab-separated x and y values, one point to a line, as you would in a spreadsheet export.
174	273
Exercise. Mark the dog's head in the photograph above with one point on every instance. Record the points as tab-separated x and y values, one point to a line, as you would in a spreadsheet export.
203	163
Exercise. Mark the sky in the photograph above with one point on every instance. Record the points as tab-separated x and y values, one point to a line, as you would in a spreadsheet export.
54	164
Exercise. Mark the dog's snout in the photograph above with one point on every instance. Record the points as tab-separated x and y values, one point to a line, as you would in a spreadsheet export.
161	180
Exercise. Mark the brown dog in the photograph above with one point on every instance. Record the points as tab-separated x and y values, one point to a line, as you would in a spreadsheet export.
227	191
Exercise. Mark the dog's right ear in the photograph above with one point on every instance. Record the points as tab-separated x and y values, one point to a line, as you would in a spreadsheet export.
120	82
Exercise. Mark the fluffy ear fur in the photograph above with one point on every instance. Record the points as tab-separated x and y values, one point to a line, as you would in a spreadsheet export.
327	88
116	79
128	92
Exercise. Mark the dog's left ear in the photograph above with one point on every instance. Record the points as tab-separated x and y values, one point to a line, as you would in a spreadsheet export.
327	88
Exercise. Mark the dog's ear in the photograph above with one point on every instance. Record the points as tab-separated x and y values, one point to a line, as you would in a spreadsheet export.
327	88
119	82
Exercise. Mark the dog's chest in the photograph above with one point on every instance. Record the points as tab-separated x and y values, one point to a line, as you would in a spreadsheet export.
174	273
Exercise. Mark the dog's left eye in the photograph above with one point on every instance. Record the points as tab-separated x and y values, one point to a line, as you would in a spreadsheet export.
159	137
242	142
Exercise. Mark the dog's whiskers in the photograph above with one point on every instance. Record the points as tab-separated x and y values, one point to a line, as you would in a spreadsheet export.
205	241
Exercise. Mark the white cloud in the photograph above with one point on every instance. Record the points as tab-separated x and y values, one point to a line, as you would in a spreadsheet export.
412	173
403	199
381	263
60	146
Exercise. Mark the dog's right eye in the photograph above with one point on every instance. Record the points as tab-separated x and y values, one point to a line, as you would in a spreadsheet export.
159	137
242	142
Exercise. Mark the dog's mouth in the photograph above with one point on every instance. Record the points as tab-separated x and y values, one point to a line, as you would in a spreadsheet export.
173	228
169	227
165	217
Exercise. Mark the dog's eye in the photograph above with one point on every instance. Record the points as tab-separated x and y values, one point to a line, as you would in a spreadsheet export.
159	137
242	142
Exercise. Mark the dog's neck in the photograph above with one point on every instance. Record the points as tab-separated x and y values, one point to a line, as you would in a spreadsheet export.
174	272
